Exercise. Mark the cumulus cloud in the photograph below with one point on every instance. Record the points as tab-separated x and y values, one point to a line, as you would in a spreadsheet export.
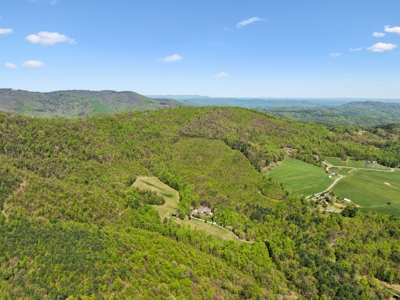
10	65
248	21
378	34
380	47
33	64
336	54
49	38
355	49
221	75
5	31
392	29
171	58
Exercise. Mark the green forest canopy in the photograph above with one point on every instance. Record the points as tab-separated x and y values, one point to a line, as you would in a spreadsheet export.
73	226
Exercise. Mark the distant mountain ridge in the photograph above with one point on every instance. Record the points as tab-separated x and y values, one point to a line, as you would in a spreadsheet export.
265	102
78	103
356	113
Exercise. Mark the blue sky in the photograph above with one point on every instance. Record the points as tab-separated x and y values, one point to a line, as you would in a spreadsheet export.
226	48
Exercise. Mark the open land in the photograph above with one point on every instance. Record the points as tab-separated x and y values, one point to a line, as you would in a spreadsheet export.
171	197
372	191
300	177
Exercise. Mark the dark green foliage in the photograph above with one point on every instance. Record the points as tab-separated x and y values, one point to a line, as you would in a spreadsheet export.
358	113
350	211
7	183
79	103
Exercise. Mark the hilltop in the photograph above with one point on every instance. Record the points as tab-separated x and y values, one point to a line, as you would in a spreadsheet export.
73	223
77	103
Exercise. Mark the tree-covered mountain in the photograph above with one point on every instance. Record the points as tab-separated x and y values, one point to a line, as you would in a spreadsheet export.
77	103
244	102
357	113
72	225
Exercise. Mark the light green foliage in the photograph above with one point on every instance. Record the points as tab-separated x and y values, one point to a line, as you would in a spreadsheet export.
171	206
74	226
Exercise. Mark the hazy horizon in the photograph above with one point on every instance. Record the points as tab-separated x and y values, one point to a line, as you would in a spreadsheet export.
284	49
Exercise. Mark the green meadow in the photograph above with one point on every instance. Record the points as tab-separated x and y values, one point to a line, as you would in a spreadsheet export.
171	197
349	162
300	178
372	190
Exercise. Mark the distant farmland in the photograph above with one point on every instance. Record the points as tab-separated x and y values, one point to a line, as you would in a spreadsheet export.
300	178
372	190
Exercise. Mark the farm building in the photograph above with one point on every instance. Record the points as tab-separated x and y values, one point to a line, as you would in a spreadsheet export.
347	200
204	210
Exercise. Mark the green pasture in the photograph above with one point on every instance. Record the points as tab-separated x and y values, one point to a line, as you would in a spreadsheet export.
341	171
372	190
301	178
349	162
171	197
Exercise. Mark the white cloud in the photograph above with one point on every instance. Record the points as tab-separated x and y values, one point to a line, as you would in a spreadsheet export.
10	65
5	31
48	38
171	58
392	29
33	64
380	47
336	54
221	75
355	49
248	21
378	34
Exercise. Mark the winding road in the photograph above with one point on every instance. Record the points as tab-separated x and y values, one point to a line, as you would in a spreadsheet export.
328	166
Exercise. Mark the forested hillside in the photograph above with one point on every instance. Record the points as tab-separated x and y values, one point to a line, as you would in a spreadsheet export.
73	226
358	113
77	103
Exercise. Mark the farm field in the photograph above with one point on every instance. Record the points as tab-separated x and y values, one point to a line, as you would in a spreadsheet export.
171	197
335	161
372	190
300	177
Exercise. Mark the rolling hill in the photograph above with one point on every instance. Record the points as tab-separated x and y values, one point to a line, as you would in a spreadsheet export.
357	113
74	225
77	103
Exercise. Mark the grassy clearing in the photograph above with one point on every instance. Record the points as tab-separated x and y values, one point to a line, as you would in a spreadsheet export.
335	161
341	171
300	177
372	190
171	197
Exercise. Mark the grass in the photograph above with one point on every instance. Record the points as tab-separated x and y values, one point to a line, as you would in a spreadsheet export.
349	162
341	171
171	197
300	178
372	190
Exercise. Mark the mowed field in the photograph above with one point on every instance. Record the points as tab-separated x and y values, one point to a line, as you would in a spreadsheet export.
335	161
301	178
372	190
171	197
